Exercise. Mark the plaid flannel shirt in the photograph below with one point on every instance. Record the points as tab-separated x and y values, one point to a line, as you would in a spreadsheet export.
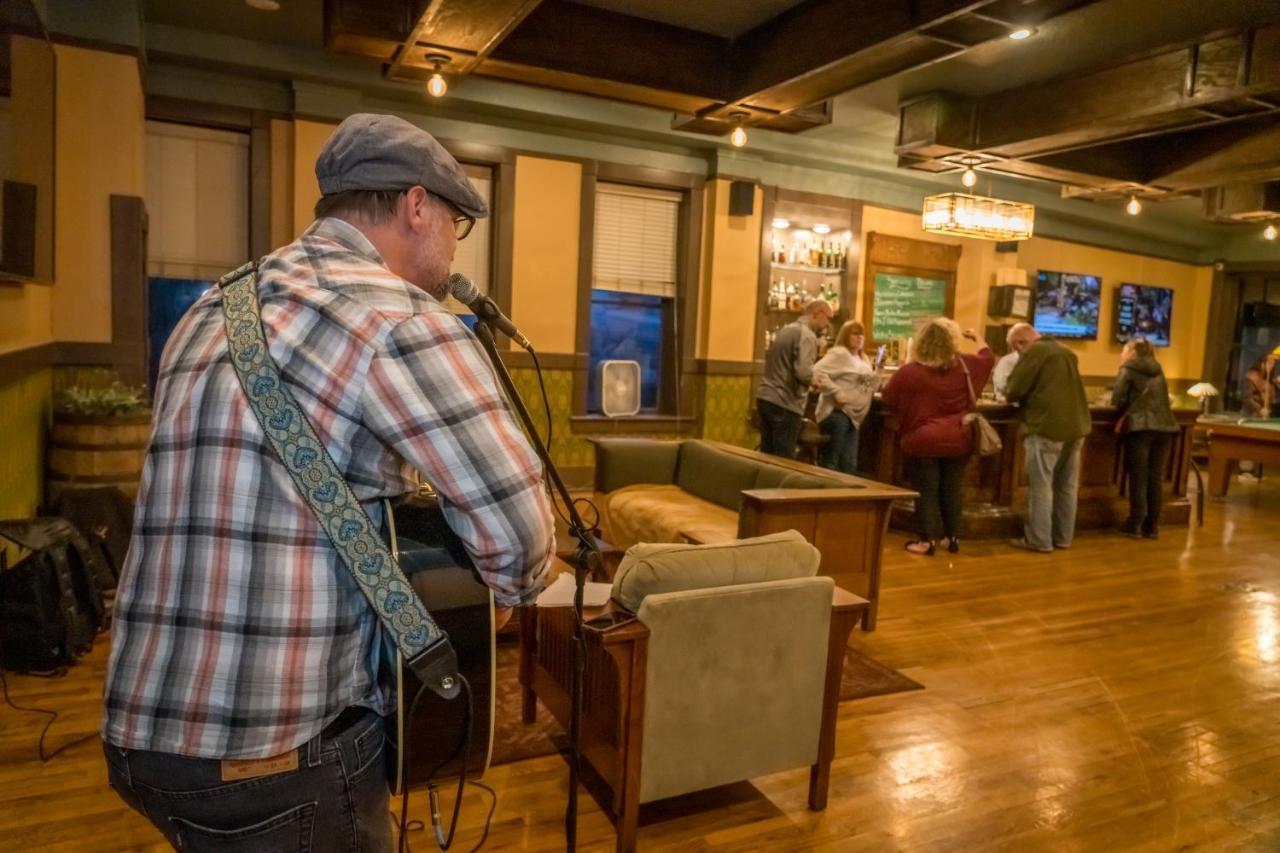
238	631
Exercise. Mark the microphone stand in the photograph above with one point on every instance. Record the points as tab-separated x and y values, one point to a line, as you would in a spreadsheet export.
586	556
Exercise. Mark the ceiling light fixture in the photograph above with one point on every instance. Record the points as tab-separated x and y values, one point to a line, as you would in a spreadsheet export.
970	177
822	228
1270	232
436	86
781	223
1134	207
263	5
964	215
1022	33
738	137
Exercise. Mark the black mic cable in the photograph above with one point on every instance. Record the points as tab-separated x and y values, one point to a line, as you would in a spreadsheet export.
485	308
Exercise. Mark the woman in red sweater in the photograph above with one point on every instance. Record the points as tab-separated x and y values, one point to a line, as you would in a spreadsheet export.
930	398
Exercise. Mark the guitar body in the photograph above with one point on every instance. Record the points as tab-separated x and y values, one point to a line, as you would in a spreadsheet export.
440	572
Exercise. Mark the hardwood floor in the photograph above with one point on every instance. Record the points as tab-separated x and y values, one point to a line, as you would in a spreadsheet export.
1122	695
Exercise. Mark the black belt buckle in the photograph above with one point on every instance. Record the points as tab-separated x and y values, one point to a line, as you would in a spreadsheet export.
436	667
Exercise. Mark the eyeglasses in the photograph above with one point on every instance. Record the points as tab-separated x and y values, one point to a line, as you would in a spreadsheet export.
462	225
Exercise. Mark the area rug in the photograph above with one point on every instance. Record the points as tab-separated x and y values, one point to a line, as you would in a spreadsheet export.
512	739
864	676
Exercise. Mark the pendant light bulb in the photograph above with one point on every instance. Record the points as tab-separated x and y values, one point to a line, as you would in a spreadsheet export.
437	86
969	178
1270	232
1134	207
738	137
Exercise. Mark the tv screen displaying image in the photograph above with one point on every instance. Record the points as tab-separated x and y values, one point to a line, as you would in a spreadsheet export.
1144	312
1067	305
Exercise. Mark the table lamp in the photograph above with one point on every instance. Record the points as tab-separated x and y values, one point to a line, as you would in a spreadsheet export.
1202	391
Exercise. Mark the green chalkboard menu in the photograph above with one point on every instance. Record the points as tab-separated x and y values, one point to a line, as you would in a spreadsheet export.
900	301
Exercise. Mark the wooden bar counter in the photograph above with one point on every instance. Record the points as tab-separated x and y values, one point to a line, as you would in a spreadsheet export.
995	494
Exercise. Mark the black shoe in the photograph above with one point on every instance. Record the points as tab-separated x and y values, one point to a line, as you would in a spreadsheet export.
953	545
1131	532
929	553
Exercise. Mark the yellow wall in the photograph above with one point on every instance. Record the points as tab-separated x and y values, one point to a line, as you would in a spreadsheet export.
979	262
308	138
731	271
544	263
101	132
282	182
24	415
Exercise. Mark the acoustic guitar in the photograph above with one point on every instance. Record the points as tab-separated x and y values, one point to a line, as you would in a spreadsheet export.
441	573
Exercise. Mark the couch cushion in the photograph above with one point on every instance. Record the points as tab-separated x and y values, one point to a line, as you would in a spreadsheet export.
654	567
648	513
714	475
623	461
796	480
770	477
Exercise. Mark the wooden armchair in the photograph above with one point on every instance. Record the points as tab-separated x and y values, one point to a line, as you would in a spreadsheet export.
630	696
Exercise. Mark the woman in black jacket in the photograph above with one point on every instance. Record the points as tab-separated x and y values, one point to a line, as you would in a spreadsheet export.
1142	397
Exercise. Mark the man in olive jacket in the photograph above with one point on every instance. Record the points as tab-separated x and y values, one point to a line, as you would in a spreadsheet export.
1055	414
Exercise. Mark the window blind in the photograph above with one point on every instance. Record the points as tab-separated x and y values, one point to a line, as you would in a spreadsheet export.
635	240
197	200
472	256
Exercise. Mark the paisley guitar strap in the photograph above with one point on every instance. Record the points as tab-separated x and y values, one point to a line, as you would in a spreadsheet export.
425	648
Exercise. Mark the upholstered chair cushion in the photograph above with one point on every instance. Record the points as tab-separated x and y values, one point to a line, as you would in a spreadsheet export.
661	567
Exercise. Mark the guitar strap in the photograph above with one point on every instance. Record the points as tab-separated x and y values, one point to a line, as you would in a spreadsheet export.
426	649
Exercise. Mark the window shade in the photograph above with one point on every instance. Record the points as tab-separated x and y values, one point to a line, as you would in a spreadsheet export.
197	200
635	240
472	256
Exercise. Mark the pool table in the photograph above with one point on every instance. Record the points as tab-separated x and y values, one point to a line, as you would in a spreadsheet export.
1233	441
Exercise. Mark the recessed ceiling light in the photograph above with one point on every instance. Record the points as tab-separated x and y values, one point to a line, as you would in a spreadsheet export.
1022	33
781	223
263	5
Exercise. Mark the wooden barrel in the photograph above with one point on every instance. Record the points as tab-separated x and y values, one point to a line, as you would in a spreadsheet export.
97	450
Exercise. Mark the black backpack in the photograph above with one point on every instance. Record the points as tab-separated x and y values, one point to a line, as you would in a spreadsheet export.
51	604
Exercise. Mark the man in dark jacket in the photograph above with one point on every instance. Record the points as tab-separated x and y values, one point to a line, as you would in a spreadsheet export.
1141	395
788	371
1046	384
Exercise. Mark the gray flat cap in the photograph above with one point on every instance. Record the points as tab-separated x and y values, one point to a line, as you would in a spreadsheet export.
369	151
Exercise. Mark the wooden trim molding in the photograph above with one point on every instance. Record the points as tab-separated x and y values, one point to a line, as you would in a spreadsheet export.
605	425
129	287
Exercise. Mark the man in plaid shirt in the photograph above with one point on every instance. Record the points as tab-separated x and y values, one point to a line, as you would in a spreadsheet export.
241	704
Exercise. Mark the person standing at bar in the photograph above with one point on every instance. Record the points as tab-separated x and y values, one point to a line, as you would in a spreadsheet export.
848	380
1141	396
1055	415
788	372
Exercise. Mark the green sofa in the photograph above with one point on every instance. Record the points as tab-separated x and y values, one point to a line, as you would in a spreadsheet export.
698	491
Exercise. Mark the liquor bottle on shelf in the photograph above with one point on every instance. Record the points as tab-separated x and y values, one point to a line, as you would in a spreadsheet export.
813	253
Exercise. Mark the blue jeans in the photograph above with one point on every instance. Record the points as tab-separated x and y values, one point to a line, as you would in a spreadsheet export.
335	800
841	452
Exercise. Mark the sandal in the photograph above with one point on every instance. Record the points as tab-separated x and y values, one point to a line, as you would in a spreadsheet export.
923	547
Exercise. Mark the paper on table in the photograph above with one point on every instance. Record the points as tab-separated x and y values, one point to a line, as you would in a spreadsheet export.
560	593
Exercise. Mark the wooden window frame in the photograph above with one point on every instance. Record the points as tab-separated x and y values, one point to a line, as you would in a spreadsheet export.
678	397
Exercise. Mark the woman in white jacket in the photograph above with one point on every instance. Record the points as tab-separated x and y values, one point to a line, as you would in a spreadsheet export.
847	381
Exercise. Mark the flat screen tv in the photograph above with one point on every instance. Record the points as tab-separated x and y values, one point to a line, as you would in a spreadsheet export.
1067	305
1143	311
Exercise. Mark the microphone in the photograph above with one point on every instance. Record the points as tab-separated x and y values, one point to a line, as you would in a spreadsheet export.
485	308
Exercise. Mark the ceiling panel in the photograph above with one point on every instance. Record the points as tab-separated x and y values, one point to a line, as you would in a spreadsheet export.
727	20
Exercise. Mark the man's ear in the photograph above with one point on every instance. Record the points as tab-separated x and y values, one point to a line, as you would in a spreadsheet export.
417	209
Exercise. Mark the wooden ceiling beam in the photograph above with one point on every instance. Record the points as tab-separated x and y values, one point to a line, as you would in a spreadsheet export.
1218	79
597	43
466	31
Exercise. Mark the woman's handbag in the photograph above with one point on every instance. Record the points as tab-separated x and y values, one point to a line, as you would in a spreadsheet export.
986	441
